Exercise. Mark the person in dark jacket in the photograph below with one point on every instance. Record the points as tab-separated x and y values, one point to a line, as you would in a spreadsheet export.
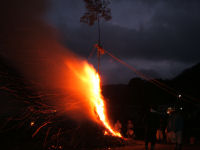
178	129
152	124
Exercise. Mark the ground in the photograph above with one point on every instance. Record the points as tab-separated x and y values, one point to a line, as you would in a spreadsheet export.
158	147
139	145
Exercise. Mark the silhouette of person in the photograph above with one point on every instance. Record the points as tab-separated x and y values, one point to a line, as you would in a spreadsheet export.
118	126
130	131
152	124
178	128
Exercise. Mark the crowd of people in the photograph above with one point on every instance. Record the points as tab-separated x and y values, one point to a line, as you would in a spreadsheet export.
130	128
156	130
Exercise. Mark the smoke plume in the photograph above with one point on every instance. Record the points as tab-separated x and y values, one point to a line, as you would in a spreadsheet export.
32	47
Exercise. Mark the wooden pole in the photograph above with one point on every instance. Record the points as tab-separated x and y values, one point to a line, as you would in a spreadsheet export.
99	44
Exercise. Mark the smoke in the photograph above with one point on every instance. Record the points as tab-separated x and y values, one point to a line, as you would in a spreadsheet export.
28	42
32	46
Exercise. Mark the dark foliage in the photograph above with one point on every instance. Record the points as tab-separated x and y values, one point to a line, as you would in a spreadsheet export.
95	9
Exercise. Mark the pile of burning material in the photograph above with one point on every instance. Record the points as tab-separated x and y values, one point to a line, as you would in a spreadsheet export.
61	135
38	124
56	87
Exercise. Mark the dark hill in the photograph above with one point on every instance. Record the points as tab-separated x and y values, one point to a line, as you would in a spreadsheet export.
188	82
129	101
141	92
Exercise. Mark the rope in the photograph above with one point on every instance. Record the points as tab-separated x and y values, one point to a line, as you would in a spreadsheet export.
91	53
159	84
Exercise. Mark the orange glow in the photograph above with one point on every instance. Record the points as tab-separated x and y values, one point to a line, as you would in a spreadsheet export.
32	123
105	133
88	86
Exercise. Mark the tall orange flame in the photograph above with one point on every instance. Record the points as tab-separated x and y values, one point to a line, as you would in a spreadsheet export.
91	81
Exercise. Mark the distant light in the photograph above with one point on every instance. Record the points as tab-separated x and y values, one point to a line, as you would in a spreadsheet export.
181	108
60	147
179	96
32	123
168	112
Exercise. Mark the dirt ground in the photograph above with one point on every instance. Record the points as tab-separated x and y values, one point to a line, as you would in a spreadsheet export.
158	147
139	145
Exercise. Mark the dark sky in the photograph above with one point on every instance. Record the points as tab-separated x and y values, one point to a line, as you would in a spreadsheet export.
158	37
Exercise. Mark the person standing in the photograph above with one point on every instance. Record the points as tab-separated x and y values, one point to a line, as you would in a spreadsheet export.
170	130
130	131
118	126
178	129
152	124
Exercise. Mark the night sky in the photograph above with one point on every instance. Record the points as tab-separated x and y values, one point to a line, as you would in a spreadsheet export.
159	37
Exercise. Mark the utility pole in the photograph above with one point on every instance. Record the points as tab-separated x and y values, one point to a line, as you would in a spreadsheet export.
99	44
95	10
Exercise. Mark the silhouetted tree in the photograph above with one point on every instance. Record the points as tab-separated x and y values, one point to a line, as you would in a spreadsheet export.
96	9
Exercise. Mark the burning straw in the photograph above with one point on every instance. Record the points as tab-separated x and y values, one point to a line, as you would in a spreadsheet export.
59	82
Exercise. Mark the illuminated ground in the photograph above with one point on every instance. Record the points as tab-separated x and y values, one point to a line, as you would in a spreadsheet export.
139	145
